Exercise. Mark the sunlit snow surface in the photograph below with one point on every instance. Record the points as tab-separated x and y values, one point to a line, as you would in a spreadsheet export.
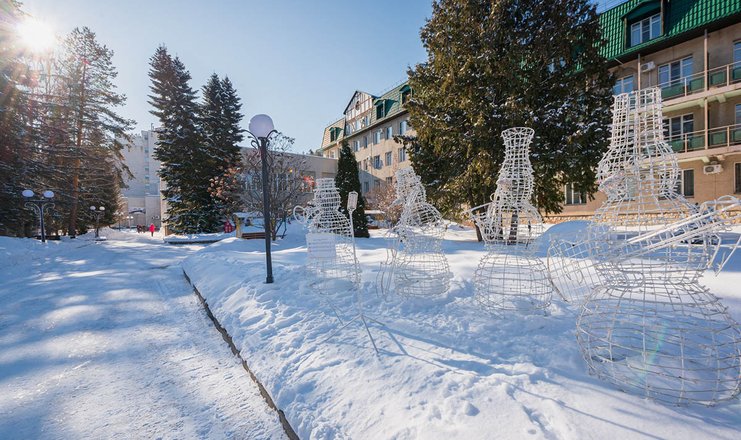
107	340
446	370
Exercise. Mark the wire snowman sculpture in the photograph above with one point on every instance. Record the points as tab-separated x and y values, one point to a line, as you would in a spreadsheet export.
416	265
329	241
647	325
510	277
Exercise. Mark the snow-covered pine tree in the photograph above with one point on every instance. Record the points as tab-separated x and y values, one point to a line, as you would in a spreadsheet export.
347	180
15	148
178	145
494	65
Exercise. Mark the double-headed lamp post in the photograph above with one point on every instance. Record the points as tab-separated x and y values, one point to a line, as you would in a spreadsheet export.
98	213
260	129
39	205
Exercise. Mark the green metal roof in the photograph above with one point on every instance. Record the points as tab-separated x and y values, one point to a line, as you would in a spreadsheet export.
680	18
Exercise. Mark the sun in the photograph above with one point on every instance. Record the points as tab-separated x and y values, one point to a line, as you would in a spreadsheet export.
35	35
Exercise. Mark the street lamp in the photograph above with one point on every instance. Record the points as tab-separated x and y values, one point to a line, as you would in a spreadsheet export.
129	218
261	128
98	213
39	205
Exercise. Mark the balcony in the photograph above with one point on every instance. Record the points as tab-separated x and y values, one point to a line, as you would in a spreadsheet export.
717	77
718	137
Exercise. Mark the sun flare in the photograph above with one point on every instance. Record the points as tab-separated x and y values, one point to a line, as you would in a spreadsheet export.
35	35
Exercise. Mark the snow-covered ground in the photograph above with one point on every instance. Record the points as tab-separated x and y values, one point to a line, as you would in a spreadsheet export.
446	370
107	340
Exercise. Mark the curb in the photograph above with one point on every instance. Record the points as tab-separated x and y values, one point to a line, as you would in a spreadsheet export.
228	339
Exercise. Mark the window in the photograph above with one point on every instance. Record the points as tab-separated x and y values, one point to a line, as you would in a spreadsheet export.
573	196
686	183
402	154
380	109
377	162
645	30
348	129
676	127
389	132
737	177
389	181
674	73
356	145
403	126
405	96
737	52
738	114
365	187
365	164
377	137
334	133
623	85
365	141
388	158
376	184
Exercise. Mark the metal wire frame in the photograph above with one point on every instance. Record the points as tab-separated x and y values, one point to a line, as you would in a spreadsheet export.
415	264
509	277
338	268
647	325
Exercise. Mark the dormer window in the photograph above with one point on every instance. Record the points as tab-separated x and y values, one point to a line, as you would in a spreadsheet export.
381	109
406	94
334	133
645	30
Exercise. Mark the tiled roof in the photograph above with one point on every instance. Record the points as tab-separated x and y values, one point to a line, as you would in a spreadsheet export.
680	18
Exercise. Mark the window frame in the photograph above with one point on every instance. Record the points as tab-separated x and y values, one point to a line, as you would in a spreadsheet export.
621	82
682	183
645	25
737	177
402	155
680	79
389	157
569	193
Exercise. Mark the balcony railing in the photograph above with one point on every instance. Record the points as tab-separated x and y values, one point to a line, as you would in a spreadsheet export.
716	138
717	77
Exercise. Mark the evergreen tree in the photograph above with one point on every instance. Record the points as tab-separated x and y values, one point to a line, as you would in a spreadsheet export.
347	180
189	206
494	65
220	118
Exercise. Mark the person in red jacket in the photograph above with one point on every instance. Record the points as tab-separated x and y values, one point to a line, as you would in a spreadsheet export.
151	229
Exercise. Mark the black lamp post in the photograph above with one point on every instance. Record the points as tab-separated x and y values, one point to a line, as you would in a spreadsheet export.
98	213
261	128
39	205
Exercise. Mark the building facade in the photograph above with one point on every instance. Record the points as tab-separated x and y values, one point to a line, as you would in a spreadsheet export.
369	126
141	198
691	49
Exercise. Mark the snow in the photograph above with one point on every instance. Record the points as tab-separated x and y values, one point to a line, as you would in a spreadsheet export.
446	370
107	340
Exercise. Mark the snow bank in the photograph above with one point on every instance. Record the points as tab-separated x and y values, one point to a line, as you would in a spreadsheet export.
445	370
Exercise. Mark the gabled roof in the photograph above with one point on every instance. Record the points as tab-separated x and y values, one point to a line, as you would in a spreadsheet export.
357	92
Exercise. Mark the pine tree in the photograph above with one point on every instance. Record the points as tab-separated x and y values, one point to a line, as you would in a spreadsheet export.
347	180
494	65
178	145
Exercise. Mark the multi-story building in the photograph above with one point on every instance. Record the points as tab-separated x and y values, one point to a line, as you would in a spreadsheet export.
691	49
141	198
368	126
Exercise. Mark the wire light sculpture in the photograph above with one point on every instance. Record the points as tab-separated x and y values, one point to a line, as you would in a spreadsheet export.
330	248
648	326
416	264
510	277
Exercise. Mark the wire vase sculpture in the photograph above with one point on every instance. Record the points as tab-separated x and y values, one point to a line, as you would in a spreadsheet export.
330	254
416	264
510	277
648	326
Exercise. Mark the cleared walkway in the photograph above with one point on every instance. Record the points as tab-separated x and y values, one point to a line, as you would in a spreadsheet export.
107	340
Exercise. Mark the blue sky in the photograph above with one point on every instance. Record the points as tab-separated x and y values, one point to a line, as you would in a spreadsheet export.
298	61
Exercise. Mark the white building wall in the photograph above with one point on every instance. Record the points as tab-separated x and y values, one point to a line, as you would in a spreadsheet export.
141	198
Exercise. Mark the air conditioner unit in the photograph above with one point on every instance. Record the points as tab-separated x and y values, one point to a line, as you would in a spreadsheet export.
647	67
712	169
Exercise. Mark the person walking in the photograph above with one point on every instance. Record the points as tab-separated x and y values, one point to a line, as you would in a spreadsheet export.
151	229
